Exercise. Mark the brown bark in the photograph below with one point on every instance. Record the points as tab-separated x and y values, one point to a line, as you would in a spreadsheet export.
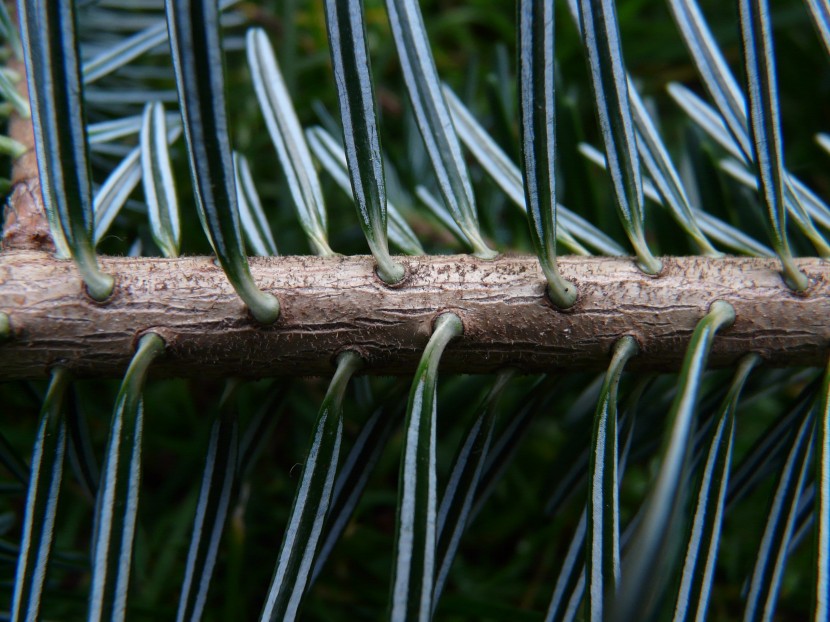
330	305
25	226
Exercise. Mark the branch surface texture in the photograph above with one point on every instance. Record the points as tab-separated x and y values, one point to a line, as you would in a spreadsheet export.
336	304
25	225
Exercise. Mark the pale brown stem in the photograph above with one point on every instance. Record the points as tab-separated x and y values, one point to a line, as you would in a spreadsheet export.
25	226
335	304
